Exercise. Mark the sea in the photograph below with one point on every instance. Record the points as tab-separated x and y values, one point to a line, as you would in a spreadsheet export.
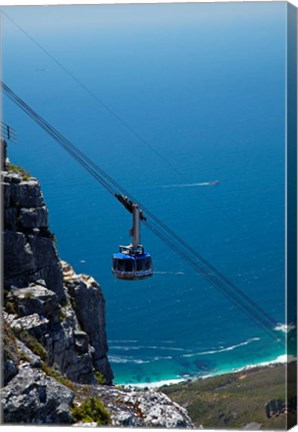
184	106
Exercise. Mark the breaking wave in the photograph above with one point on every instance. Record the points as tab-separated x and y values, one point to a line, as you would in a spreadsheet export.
118	359
125	360
230	348
155	384
140	347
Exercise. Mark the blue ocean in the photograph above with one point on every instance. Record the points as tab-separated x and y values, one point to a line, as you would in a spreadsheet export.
204	86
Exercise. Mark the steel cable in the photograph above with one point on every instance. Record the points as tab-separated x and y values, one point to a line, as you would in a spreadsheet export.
159	228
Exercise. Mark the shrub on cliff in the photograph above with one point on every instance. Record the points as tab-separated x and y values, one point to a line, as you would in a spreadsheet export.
19	170
91	410
10	348
32	343
100	378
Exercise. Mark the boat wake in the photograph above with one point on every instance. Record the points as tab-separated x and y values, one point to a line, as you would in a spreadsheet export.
165	273
201	184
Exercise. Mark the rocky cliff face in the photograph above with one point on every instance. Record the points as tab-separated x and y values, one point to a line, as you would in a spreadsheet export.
54	339
64	311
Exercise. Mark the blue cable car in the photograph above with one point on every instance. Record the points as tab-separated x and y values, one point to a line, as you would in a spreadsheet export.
132	262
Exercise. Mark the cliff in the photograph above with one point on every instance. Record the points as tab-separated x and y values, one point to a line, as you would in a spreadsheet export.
43	296
55	364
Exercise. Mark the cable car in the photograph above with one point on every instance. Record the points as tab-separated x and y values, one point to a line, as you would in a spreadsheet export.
131	265
132	262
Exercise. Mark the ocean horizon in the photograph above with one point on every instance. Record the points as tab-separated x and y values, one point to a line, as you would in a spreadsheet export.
203	85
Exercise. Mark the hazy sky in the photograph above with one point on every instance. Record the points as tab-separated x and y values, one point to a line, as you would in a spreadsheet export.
56	18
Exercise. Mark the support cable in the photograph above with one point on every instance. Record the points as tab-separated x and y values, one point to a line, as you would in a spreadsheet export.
168	236
116	116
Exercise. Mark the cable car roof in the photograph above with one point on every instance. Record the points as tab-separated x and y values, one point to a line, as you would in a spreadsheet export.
124	256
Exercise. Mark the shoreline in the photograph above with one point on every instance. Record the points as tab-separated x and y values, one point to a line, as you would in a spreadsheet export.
282	359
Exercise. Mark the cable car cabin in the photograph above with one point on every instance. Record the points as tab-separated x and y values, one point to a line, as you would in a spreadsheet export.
132	263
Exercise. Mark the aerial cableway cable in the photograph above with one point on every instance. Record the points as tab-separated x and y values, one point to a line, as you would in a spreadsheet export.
159	228
94	96
108	108
235	297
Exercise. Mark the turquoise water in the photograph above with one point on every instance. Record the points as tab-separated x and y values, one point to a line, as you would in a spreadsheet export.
204	85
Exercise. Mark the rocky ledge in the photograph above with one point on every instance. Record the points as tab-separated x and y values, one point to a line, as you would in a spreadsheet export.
140	408
34	397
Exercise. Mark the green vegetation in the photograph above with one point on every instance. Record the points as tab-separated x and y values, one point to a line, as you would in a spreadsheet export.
54	238
32	343
85	391
100	378
235	400
23	356
58	377
9	307
19	170
73	303
10	349
87	408
91	410
63	314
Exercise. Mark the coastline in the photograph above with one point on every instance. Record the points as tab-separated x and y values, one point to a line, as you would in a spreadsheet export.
250	398
168	373
282	359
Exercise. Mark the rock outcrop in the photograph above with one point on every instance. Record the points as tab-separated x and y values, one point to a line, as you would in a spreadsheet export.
10	354
89	306
35	398
142	408
29	249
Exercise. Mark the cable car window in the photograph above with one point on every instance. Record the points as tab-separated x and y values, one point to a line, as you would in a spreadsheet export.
139	265
147	264
118	265
128	265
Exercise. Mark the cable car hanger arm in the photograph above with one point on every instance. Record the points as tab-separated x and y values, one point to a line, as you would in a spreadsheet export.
129	205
